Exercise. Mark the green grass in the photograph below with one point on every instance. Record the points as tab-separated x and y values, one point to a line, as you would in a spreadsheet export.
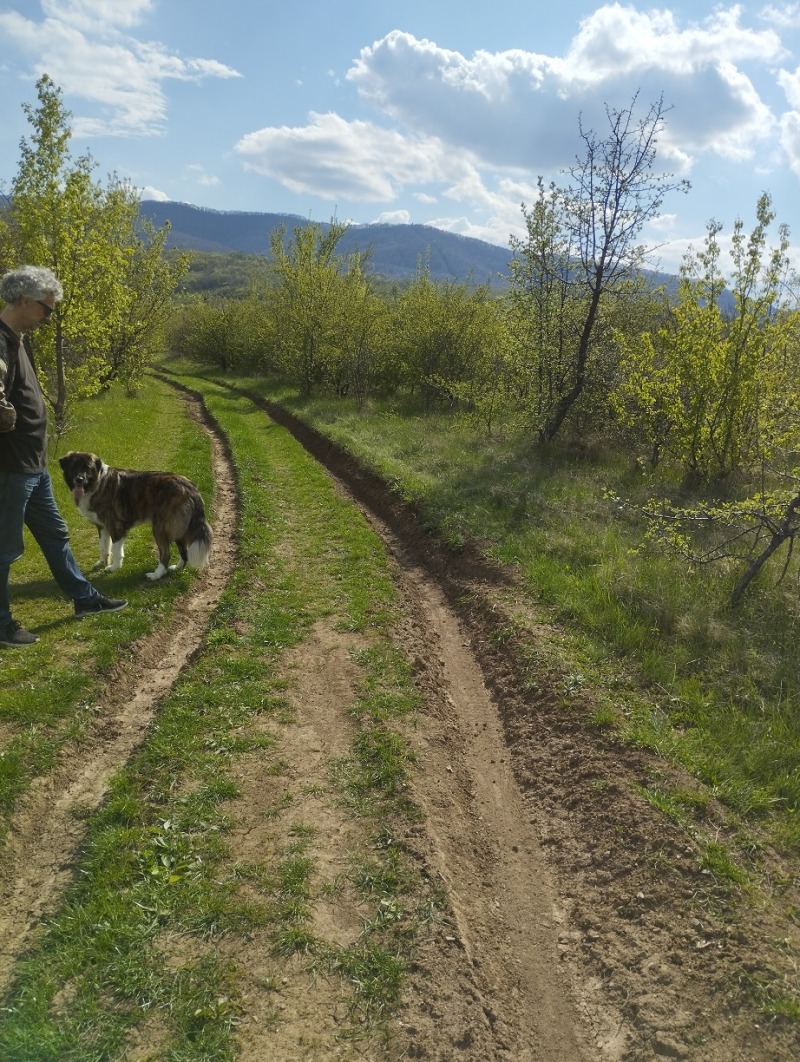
158	864
649	648
651	645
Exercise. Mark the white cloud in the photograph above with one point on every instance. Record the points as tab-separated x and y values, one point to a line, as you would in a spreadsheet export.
339	160
80	46
334	158
491	230
617	39
198	175
790	140
790	83
149	192
784	17
520	109
393	217
478	130
790	120
664	223
94	16
491	105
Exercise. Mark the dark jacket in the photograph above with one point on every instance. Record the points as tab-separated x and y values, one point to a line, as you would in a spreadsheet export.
23	414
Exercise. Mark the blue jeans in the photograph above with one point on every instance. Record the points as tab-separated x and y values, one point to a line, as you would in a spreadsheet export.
28	499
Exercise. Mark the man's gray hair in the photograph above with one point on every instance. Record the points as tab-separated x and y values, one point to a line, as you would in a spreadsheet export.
31	282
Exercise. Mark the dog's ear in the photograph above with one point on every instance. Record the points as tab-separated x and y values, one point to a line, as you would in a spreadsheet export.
98	465
64	461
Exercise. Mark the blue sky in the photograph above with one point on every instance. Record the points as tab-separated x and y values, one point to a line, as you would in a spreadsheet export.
435	112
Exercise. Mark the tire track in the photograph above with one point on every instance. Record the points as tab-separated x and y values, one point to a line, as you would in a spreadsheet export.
477	837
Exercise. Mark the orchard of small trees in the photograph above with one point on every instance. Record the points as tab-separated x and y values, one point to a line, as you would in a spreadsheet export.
701	382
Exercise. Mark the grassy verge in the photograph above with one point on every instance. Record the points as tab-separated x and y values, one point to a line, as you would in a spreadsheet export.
208	878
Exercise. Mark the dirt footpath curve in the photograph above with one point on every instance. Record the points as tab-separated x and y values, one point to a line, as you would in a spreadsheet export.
581	925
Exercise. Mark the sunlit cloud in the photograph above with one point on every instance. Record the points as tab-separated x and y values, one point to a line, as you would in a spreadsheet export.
783	17
333	158
393	217
81	47
478	130
149	192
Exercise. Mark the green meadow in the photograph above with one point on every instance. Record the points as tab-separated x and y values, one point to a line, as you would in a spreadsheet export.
671	666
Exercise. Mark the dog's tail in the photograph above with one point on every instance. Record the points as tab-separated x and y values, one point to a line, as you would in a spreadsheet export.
200	540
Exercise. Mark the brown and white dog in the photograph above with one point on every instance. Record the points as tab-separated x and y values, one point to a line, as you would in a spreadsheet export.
116	499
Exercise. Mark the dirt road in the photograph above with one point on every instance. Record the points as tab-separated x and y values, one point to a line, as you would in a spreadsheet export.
580	923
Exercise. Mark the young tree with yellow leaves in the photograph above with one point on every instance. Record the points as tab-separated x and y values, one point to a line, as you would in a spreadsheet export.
117	284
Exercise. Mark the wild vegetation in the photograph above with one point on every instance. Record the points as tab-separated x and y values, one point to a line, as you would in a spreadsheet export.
703	396
635	456
631	458
118	284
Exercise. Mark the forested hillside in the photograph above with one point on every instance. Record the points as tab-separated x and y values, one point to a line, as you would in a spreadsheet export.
394	251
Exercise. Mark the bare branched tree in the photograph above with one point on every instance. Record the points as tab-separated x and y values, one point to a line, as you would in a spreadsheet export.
614	191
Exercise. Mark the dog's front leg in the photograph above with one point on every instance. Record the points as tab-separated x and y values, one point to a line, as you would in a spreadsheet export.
117	555
104	555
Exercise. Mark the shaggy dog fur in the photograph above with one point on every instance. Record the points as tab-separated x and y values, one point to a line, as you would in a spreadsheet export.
116	499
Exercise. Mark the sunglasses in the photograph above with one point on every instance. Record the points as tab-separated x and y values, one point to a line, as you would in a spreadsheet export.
48	310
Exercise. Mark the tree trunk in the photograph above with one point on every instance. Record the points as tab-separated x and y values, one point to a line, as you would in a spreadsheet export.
567	401
60	403
785	531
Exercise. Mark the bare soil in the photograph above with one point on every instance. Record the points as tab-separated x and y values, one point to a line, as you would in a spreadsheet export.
580	924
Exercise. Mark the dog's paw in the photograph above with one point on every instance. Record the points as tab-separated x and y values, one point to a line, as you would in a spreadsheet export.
176	567
160	570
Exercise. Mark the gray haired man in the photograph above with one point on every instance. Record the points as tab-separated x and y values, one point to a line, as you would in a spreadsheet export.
30	294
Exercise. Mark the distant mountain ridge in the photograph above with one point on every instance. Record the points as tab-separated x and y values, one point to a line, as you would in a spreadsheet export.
396	251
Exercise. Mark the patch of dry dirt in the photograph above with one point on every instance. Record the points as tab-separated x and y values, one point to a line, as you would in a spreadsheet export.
581	927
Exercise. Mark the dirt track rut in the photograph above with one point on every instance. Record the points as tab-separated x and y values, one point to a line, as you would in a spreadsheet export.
478	839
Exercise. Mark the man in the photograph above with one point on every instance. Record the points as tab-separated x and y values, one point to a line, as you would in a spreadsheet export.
30	294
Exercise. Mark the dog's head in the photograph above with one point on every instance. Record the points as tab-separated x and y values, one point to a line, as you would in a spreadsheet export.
82	472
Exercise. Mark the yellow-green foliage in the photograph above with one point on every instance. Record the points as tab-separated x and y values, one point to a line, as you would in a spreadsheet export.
715	391
117	283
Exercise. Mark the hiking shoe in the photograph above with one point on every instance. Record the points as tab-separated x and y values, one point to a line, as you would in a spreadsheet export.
99	604
14	634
